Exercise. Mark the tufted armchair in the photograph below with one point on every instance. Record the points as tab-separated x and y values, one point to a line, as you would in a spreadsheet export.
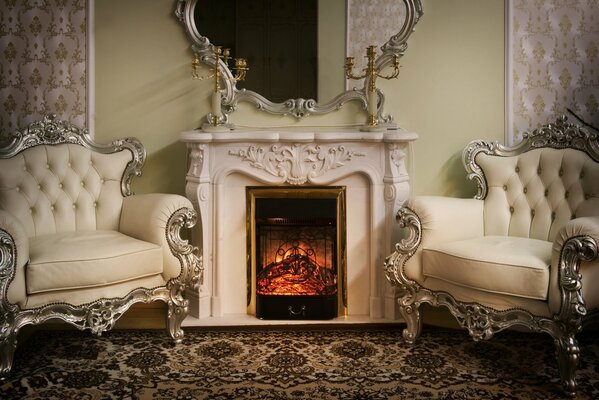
76	244
522	252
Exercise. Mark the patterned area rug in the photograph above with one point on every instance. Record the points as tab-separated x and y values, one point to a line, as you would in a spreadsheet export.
337	363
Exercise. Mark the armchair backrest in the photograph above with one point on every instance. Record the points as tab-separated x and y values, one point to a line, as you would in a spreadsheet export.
54	178
534	188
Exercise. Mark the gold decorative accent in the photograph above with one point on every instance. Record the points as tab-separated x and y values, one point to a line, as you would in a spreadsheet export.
216	118
371	73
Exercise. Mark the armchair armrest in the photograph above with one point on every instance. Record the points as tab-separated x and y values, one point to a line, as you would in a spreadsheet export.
574	262
14	255
146	217
437	219
448	218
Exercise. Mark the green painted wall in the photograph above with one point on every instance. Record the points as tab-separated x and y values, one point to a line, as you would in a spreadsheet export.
144	86
450	90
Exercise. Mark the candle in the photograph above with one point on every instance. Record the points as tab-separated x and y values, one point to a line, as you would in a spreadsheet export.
216	110
372	102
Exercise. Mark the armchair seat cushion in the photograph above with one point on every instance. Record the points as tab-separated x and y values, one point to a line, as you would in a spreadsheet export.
514	266
86	259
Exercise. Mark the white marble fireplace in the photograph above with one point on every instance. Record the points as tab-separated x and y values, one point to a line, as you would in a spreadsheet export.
371	166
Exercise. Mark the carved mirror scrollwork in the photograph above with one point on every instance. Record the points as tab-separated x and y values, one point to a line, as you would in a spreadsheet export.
232	94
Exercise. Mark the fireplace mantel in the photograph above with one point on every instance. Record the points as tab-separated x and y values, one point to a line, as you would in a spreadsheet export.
370	164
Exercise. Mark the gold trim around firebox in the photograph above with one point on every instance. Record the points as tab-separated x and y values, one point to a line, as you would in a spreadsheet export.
311	192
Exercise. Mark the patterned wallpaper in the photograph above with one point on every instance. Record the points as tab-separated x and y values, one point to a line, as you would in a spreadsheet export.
371	22
554	58
43	51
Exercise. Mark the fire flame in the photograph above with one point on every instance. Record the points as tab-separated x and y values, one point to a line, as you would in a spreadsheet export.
295	275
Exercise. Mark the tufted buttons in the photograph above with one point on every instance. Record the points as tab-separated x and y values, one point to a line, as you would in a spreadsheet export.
525	190
517	169
587	196
74	206
567	194
101	180
581	174
573	216
52	208
561	172
47	166
532	213
539	171
82	184
91	162
512	210
17	189
553	215
69	164
60	185
25	168
505	187
39	186
95	204
31	209
546	192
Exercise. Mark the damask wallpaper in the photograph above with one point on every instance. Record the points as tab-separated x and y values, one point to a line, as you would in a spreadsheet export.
371	22
43	52
553	65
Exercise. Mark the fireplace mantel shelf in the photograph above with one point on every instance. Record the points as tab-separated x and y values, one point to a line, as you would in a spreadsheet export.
332	136
371	165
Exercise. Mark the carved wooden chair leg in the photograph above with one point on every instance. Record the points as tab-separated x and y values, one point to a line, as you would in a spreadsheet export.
177	311
411	314
8	344
568	354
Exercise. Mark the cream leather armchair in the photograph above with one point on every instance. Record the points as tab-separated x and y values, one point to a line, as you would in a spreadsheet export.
522	252
76	244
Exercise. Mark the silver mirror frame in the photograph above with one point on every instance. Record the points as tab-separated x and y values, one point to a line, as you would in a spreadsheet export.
299	108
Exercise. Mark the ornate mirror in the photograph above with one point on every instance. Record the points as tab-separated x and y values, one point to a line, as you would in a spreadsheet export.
283	78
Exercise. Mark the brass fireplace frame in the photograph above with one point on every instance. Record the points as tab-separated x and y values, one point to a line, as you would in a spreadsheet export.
312	192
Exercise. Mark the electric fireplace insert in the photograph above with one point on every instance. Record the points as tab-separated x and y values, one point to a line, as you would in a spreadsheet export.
296	251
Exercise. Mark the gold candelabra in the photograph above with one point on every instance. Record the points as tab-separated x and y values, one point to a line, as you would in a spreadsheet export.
371	72
216	119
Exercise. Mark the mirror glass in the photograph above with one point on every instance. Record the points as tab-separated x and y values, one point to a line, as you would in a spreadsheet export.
294	48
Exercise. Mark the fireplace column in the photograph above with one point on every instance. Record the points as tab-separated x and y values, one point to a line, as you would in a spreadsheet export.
199	191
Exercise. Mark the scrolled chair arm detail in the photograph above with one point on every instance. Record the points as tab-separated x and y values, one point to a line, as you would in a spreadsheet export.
191	260
192	268
8	311
573	307
405	248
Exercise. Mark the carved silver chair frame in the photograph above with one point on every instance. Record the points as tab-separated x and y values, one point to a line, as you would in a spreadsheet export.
482	321
99	315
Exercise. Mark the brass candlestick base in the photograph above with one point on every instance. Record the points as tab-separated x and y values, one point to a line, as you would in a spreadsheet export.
372	125
216	120
371	73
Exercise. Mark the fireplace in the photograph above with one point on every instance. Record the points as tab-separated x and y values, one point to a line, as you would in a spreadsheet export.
296	252
370	166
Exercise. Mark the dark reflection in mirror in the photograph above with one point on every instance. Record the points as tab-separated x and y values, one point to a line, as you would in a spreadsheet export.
279	39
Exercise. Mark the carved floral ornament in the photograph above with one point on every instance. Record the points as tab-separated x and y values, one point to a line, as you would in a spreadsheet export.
296	163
